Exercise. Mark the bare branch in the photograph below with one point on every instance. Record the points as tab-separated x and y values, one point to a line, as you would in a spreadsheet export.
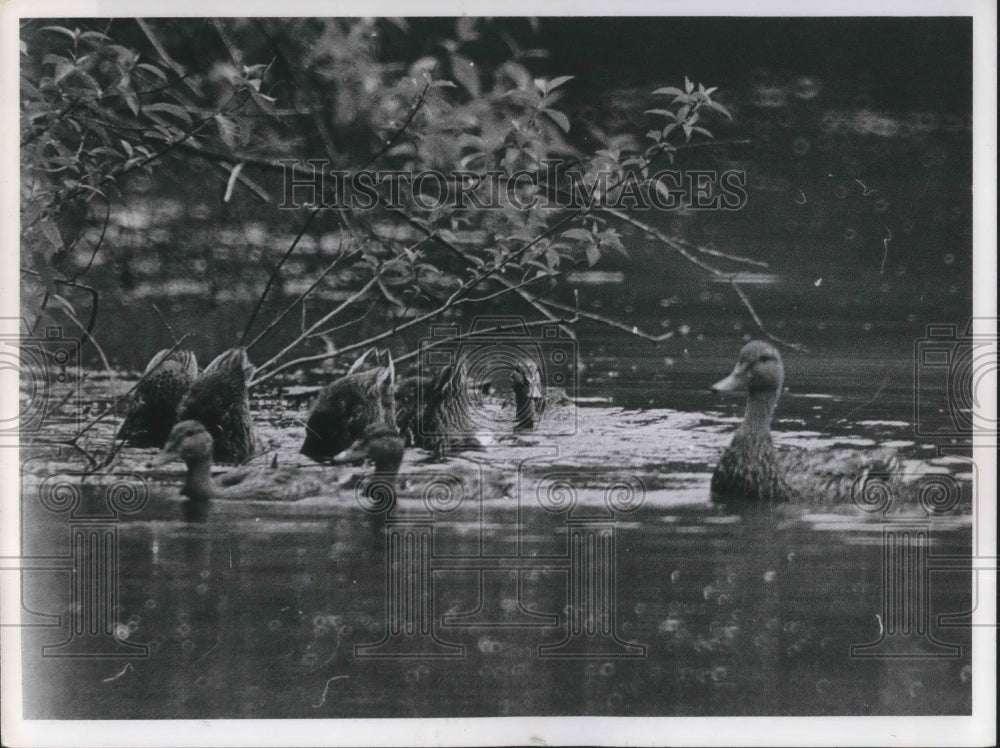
315	211
312	329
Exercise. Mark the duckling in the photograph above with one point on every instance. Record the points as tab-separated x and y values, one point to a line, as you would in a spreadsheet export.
152	408
220	400
380	443
751	471
347	406
433	411
191	442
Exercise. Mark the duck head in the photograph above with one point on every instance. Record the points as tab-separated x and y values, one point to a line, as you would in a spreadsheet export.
760	371
180	361
188	441
233	362
380	443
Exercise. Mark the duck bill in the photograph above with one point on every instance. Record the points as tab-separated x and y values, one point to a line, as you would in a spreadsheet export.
353	453
163	458
730	384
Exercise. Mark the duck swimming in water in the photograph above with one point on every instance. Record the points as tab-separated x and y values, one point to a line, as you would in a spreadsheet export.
380	443
191	442
220	400
344	408
152	408
752	471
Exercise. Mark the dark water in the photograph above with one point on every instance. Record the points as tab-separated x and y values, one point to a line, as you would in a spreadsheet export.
261	618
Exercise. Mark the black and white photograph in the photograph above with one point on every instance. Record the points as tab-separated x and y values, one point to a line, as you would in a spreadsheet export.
451	375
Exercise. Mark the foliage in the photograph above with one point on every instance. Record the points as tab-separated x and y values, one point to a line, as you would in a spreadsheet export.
104	101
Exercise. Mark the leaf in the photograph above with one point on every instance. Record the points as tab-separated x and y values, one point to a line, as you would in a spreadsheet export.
153	69
60	30
63	69
466	73
127	147
552	257
719	108
174	109
95	35
131	98
64	303
582	235
44	271
227	129
669	91
663	192
231	183
559	81
266	103
593	255
663	112
443	83
688	85
51	232
560	119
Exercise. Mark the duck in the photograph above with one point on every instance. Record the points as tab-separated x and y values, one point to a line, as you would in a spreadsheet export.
152	408
192	443
220	400
433	411
752	472
381	444
345	408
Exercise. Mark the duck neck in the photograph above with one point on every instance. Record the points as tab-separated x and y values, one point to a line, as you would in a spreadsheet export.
387	467
198	481
759	412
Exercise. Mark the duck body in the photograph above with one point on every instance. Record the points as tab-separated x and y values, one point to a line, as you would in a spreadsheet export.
152	408
220	400
433	411
344	408
191	442
752	472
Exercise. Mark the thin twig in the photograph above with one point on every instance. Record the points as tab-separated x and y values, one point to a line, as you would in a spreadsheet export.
163	319
312	328
315	211
514	327
303	295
